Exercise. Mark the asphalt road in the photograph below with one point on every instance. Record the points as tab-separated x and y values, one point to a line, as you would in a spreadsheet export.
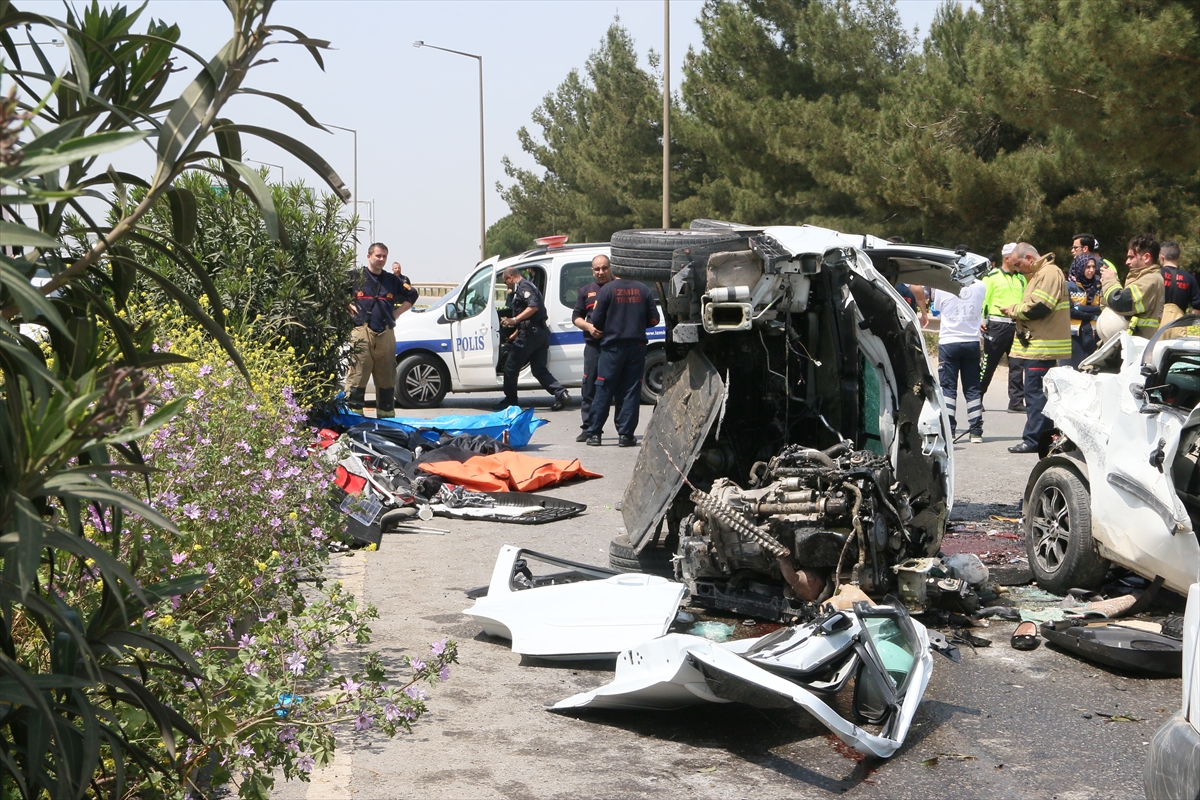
1003	723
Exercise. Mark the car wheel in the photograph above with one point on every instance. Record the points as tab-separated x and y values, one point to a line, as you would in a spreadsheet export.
421	381
654	560
1058	534
645	255
652	376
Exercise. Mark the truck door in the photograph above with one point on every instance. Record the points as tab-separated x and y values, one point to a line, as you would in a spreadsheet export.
566	341
476	331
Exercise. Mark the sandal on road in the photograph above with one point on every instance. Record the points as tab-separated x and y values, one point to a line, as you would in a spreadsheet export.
1025	637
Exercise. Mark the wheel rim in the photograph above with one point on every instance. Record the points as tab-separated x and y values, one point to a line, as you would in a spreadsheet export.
654	378
423	382
1051	529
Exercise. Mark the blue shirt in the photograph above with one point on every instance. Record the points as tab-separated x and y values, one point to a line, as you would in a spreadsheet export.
623	311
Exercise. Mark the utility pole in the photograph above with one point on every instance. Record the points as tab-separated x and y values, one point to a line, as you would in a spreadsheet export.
666	220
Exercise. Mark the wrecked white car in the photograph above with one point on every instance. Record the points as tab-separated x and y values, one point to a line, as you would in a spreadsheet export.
881	647
801	431
1119	482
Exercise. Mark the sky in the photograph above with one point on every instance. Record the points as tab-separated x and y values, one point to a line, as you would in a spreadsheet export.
417	110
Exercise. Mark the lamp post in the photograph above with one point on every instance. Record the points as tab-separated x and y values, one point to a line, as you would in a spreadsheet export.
666	179
282	177
482	183
355	189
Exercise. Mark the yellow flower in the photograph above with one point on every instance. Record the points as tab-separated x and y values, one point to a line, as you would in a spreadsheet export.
292	515
371	548
166	621
261	565
197	548
274	554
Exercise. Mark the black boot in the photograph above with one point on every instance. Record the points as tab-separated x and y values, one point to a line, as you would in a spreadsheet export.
356	398
385	403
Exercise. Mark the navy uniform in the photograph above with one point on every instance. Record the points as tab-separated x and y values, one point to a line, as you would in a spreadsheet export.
624	310
530	345
373	341
584	303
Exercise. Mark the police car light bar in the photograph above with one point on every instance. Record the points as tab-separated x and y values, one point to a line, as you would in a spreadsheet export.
551	242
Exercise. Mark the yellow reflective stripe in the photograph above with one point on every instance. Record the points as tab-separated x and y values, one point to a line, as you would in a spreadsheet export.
1065	304
1142	322
1139	305
1049	299
1049	348
1116	287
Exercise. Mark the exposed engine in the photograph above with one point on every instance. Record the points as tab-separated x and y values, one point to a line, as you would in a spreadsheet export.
808	515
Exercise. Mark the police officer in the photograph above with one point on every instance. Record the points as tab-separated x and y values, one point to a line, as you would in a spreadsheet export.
380	298
581	317
530	341
623	311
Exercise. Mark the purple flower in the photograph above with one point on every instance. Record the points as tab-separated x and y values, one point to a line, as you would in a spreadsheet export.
444	674
417	664
198	394
246	641
252	407
287	733
391	713
438	647
363	722
191	511
409	714
210	569
179	558
193	684
295	663
305	763
350	686
276	522
276	495
414	693
176	601
245	750
213	515
251	669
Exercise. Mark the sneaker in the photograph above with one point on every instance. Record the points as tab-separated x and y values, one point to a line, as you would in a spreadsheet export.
594	440
626	441
976	438
560	401
582	437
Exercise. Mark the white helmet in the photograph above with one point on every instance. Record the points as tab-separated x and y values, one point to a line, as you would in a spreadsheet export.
1109	324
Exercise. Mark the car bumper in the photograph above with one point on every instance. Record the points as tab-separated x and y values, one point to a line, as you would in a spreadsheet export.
1173	763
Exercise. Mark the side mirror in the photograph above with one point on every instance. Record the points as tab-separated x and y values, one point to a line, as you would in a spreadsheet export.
451	311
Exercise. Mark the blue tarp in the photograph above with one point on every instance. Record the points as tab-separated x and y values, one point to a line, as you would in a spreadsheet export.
520	424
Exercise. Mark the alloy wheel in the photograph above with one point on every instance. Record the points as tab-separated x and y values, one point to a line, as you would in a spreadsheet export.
1051	529
423	382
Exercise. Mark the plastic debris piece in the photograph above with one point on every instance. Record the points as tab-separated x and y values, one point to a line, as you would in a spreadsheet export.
712	630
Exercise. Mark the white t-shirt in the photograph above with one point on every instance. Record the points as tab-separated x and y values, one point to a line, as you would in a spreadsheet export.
960	316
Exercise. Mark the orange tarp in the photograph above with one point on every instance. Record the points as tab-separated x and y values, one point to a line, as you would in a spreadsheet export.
508	471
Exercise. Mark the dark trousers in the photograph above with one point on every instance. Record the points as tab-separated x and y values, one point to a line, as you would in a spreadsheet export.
591	360
961	359
532	347
1036	423
997	341
619	380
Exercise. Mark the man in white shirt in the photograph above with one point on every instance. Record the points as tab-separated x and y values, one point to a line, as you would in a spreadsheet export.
958	352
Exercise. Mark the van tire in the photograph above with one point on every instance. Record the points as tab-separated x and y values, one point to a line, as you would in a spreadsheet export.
422	381
645	255
652	375
667	240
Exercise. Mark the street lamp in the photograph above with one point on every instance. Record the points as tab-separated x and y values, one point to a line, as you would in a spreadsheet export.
282	178
666	178
482	183
355	190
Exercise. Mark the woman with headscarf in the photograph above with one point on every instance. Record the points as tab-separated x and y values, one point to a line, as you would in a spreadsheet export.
1083	284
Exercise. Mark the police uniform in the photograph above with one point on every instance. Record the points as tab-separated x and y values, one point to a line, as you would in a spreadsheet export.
373	341
585	301
531	346
624	310
1003	289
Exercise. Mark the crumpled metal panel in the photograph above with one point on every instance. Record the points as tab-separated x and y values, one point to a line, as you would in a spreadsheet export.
692	397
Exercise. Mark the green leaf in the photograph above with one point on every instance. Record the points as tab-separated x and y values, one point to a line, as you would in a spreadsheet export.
310	157
261	195
189	110
88	489
183	214
296	108
77	150
14	234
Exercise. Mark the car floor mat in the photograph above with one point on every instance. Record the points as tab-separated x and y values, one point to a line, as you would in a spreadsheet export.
522	509
1117	645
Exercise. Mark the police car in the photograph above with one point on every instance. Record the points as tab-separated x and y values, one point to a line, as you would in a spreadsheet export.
455	344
